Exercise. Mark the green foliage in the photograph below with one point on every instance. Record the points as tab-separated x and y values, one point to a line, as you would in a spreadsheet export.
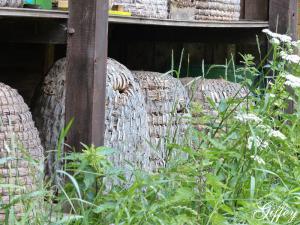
242	167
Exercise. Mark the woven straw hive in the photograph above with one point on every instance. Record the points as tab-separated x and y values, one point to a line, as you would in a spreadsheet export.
11	3
166	101
200	90
222	10
182	9
20	149
49	113
145	8
126	130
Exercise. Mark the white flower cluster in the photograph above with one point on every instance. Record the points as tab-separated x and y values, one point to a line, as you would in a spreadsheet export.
271	133
292	80
296	43
277	134
275	41
256	142
290	58
258	159
279	37
248	117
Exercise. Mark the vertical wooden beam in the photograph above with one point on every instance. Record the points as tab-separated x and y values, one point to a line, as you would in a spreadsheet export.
86	71
242	16
256	9
283	17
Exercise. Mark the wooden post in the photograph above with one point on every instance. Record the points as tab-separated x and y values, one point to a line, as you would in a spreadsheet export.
256	9
86	71
283	17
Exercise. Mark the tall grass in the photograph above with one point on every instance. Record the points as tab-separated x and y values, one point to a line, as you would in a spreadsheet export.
243	168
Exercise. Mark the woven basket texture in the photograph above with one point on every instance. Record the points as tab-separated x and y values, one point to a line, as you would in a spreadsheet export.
145	8
11	3
20	146
182	3
166	100
200	90
222	10
125	127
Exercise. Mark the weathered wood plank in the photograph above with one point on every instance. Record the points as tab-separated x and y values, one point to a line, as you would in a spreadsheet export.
86	71
256	9
283	16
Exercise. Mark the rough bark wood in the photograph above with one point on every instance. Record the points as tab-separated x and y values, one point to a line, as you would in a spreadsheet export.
167	108
20	150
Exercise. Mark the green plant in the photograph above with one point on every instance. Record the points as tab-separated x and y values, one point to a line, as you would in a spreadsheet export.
242	168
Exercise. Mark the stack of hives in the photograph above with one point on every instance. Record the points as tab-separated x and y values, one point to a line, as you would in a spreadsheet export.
166	101
222	10
125	127
21	153
11	3
144	8
200	90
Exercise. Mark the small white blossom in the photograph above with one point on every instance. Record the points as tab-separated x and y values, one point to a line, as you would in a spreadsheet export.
284	38
281	37
292	81
277	134
248	117
263	127
268	32
254	141
290	58
258	159
296	43
272	95
270	132
275	41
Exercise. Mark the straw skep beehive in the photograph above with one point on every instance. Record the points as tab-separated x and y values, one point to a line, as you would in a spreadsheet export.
166	101
145	8
200	90
49	115
222	10
125	127
11	3
182	9
20	150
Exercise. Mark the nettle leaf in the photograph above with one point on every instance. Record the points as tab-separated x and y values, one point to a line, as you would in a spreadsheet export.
227	209
105	207
214	181
218	219
223	106
89	180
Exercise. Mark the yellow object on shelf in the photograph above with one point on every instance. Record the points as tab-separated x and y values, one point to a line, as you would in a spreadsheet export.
119	13
63	4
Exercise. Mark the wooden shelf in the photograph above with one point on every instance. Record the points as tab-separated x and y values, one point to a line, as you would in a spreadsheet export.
194	24
33	13
56	14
